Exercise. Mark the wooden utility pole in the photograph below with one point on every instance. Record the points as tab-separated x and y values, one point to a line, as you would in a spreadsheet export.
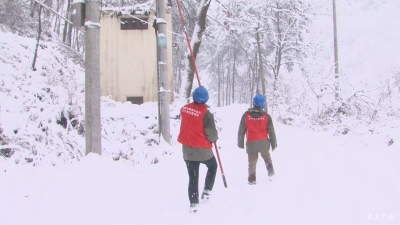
92	77
163	81
336	52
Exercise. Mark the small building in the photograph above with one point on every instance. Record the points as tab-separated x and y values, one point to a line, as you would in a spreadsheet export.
128	52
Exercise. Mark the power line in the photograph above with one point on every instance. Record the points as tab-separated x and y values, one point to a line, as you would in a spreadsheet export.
52	10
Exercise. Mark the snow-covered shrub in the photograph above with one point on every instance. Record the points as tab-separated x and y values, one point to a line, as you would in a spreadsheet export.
33	103
130	132
287	104
42	112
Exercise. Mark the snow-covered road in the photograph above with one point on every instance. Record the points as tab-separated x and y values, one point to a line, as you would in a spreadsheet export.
320	179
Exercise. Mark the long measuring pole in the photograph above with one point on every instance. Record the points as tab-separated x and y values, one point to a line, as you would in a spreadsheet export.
198	80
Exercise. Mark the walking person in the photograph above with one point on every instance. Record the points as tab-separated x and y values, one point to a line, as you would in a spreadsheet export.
197	133
257	125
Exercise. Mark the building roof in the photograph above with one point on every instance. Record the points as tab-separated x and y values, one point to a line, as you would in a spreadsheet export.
138	7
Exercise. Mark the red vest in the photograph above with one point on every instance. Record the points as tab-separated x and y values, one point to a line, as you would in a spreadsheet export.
192	127
256	128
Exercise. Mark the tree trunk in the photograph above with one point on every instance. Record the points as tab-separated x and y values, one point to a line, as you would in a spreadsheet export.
55	25
223	82
66	24
233	75
32	8
76	40
38	39
219	83
69	34
337	97
197	35
278	50
56	18
251	81
256	71
179	77
228	84
59	22
260	63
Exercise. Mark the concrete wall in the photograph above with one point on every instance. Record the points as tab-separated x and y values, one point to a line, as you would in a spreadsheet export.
128	60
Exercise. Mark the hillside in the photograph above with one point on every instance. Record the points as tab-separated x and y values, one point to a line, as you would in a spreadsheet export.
42	112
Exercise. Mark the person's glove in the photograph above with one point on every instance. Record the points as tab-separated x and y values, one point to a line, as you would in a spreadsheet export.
273	149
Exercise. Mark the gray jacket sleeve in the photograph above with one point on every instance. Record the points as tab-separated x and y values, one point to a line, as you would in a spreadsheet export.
241	132
271	132
210	128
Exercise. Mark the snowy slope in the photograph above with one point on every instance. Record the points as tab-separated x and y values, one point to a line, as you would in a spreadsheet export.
42	111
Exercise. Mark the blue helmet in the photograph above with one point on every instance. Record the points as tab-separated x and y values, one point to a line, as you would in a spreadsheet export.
200	95
259	101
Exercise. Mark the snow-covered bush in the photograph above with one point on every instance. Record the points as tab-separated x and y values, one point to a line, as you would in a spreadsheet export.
130	132
42	112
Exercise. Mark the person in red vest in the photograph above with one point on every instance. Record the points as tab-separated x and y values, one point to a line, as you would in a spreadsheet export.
197	133
257	125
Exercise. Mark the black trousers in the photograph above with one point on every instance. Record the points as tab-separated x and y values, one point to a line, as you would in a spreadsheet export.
193	171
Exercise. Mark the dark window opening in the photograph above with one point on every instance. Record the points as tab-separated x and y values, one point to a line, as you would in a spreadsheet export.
134	24
135	100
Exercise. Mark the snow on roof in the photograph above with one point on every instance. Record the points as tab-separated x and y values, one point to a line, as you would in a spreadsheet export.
78	1
142	7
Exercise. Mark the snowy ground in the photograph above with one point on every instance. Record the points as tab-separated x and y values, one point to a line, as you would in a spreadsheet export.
320	179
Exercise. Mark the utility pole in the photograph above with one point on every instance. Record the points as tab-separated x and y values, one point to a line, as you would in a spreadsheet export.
92	77
163	81
337	97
